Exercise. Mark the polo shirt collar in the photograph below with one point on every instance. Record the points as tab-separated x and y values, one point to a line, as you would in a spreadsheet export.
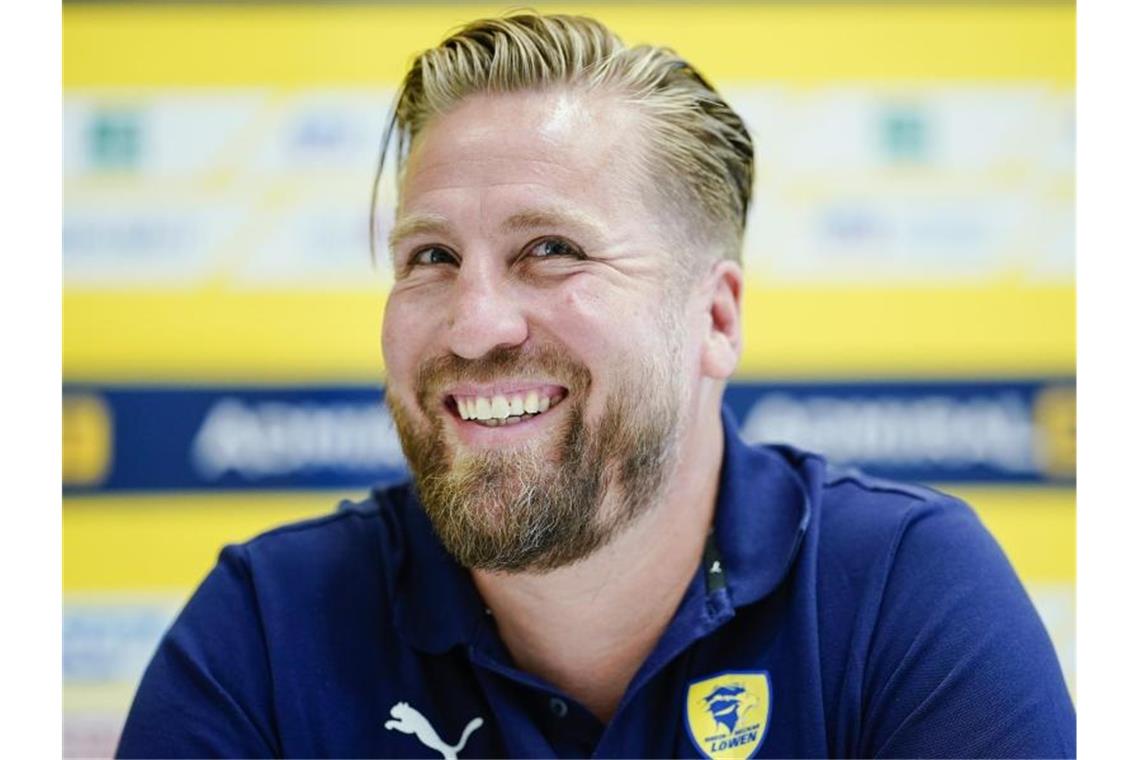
762	512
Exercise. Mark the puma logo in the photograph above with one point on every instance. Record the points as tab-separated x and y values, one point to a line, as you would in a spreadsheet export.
408	720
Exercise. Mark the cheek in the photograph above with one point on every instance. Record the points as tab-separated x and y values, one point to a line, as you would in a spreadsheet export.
613	332
404	340
590	320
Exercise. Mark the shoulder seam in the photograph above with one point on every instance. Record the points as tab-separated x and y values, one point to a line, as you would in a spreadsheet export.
930	496
790	454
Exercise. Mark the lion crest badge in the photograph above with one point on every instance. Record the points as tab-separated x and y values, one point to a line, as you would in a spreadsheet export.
727	714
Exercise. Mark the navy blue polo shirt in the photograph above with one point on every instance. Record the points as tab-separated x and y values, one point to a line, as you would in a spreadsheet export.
833	615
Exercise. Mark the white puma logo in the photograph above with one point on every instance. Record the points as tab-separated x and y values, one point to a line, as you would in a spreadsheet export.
409	721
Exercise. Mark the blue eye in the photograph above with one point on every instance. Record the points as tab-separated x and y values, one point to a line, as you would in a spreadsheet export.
433	255
548	247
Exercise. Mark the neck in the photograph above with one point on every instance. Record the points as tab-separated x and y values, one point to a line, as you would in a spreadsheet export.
588	627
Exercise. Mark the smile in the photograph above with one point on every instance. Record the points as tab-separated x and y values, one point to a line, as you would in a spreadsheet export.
507	408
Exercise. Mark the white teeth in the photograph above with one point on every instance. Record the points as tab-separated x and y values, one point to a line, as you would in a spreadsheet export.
530	405
500	410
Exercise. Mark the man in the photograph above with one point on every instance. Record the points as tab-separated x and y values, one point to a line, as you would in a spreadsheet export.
590	561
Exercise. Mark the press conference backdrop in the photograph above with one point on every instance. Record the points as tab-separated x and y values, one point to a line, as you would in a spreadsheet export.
909	307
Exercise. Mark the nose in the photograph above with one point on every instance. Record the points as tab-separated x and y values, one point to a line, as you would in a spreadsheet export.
485	314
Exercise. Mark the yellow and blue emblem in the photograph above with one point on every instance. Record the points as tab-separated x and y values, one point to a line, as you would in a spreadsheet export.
726	715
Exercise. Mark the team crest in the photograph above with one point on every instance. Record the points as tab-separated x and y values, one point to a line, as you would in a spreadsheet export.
727	715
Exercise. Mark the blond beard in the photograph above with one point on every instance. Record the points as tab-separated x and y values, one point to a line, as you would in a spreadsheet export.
523	510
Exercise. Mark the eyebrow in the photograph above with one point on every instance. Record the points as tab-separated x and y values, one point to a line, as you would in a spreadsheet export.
418	224
532	219
521	221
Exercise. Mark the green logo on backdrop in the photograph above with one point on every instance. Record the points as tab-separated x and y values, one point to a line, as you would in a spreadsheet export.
114	139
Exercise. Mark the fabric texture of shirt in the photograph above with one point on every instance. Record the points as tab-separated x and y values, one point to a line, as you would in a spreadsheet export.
834	614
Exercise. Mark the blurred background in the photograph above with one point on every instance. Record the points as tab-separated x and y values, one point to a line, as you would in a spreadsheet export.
909	305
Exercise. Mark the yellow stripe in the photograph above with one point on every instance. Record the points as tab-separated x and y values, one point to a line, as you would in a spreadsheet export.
220	335
147	45
100	699
169	542
947	332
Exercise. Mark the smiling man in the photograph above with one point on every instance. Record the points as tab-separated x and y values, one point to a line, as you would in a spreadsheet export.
546	368
589	561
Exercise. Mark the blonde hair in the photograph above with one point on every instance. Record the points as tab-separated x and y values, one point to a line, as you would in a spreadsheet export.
699	150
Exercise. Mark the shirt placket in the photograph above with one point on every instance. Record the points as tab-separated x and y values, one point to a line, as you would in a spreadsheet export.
535	718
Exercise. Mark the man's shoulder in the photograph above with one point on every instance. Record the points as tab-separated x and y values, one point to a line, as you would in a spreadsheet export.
851	495
867	520
861	516
359	535
845	492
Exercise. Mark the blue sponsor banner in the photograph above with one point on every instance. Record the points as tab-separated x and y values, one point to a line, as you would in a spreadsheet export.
929	431
155	438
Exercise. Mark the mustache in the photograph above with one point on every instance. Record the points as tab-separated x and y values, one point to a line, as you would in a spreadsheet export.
546	362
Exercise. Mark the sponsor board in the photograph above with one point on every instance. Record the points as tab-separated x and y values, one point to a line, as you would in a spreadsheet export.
923	431
867	183
221	438
153	438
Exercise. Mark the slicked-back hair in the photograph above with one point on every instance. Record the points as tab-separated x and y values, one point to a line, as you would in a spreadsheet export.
698	151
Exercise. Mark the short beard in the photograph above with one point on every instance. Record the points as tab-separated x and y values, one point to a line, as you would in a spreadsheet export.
521	511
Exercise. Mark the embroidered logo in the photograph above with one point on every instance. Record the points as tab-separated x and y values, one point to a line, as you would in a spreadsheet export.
409	720
727	714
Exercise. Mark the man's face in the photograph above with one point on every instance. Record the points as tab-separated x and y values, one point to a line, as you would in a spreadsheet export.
539	348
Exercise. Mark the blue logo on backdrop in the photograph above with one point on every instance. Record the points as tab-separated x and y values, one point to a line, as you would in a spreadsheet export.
203	438
237	438
997	431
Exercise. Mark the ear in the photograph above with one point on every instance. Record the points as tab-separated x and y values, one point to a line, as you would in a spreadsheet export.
720	351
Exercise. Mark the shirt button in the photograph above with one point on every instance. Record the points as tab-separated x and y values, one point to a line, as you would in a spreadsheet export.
558	707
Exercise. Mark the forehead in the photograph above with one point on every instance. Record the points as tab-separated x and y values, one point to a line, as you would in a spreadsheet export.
550	147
